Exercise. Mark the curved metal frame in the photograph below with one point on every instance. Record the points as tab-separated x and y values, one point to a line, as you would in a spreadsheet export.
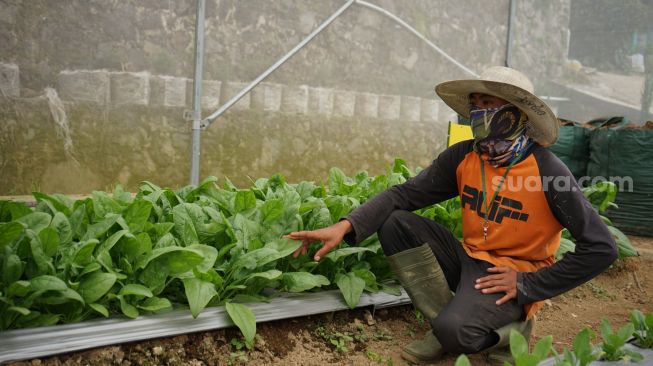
199	123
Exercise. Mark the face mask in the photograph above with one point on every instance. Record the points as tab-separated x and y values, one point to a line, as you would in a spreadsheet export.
498	132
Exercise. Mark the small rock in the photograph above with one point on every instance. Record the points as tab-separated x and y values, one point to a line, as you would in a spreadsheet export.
157	351
574	315
369	318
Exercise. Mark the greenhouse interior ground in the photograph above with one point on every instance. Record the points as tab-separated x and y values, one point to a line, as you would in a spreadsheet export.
162	160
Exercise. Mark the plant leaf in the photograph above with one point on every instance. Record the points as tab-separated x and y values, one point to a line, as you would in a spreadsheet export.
302	281
155	304
543	347
198	293
137	214
96	285
518	344
351	287
244	319
35	221
135	289
100	309
10	232
127	308
337	254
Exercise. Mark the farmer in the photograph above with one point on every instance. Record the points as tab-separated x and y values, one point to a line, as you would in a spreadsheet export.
516	198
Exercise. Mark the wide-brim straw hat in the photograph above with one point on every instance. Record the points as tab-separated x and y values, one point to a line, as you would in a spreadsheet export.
508	84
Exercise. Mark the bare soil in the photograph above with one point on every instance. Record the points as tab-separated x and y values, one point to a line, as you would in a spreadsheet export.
368	337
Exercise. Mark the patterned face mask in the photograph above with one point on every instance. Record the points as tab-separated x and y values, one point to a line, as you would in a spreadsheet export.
498	132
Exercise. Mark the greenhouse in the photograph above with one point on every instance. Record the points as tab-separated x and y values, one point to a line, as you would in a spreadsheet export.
335	182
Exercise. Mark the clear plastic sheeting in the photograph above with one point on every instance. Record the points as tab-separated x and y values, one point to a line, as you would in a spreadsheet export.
31	343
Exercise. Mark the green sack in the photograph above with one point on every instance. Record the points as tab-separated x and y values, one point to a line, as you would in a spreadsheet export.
572	147
627	154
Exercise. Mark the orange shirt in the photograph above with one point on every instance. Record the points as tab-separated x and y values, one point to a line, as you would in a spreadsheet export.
513	240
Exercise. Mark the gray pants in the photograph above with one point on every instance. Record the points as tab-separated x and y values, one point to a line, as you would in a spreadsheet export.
466	324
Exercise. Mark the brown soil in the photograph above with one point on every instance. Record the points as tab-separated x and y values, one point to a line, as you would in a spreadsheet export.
376	339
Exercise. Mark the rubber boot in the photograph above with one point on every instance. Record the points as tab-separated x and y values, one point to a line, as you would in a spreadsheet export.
500	352
422	278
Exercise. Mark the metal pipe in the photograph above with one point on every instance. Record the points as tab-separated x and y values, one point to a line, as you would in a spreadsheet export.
197	93
511	20
208	120
418	34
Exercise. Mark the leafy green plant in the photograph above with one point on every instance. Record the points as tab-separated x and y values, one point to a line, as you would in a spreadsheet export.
109	254
382	336
116	253
519	350
340	341
612	348
643	325
238	357
376	357
582	352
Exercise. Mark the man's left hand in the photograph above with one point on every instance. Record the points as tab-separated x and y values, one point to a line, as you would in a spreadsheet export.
505	280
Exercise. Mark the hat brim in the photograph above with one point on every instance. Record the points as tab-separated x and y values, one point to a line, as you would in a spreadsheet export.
544	127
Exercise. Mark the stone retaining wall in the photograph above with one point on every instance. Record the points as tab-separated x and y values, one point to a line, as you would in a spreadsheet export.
124	88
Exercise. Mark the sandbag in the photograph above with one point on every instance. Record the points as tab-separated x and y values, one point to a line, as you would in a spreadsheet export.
572	147
626	154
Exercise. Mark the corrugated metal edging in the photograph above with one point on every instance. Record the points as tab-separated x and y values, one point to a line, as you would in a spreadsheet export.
30	343
647	361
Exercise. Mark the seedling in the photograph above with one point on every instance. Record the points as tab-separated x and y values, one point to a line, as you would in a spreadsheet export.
237	357
339	340
643	328
373	356
519	350
582	352
381	336
238	344
612	348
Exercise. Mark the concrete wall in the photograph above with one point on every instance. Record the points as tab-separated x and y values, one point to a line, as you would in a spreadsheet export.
358	96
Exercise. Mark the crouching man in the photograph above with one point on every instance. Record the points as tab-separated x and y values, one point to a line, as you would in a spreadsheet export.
513	211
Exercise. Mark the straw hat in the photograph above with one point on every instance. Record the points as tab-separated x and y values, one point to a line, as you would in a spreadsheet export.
508	84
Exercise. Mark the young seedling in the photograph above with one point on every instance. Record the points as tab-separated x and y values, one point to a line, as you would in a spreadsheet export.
613	343
340	341
643	328
519	350
582	353
376	357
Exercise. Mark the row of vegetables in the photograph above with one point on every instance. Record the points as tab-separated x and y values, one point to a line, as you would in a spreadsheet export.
67	261
613	345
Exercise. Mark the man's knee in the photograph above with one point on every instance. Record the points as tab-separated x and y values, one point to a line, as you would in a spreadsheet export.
458	335
394	231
